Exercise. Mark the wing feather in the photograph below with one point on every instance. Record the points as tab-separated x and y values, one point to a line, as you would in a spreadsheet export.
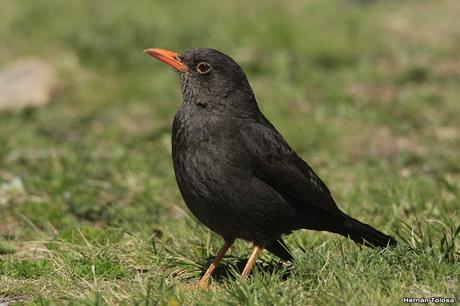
274	162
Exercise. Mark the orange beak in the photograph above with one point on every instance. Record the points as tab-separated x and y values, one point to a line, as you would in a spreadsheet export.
169	57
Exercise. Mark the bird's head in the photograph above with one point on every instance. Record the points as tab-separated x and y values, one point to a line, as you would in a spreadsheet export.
210	79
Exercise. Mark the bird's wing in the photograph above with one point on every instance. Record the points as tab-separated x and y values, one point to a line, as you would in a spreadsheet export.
274	162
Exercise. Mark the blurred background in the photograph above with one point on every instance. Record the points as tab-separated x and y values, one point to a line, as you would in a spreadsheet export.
366	91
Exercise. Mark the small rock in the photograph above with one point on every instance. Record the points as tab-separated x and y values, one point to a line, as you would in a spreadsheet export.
29	83
405	172
10	190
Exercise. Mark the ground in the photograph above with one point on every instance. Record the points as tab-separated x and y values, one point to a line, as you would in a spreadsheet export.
366	91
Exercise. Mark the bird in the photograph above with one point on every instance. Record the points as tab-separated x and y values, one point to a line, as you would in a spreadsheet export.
236	173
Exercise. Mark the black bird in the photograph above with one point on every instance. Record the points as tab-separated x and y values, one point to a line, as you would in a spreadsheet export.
236	173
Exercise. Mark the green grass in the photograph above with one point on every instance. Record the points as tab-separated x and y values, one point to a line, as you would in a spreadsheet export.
367	93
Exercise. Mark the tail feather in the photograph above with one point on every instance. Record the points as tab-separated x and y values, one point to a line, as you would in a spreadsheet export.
365	234
280	249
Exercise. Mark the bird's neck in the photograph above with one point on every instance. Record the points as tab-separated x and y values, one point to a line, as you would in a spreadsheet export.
232	105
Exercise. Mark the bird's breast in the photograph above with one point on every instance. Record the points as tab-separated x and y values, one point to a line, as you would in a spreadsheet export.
205	150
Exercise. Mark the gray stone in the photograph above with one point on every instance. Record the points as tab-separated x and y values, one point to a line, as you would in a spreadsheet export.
10	190
28	83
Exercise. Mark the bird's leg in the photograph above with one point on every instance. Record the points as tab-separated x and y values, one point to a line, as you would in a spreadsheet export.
251	261
203	283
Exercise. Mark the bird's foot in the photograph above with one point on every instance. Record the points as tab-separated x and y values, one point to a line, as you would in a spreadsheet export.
202	284
194	286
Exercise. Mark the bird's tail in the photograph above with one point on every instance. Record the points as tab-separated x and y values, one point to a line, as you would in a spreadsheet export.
365	234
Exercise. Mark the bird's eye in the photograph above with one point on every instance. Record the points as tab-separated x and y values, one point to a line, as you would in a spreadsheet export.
203	67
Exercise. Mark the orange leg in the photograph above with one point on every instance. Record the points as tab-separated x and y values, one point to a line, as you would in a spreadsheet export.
251	261
203	283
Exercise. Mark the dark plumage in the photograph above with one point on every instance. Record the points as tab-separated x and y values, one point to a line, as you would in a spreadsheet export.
235	171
